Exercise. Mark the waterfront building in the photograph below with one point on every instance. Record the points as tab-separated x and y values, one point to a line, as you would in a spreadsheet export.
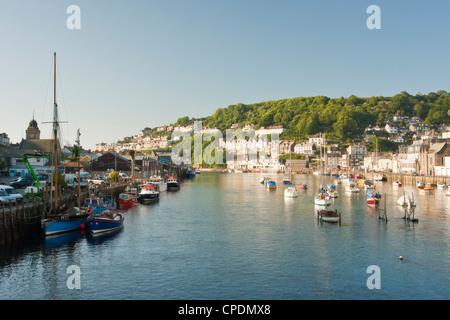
4	140
307	148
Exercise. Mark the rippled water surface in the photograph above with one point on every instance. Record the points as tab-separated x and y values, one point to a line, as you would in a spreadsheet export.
223	236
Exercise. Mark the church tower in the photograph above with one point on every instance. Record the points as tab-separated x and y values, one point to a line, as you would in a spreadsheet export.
33	131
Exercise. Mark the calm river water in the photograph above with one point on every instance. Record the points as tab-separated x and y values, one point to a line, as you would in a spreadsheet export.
224	236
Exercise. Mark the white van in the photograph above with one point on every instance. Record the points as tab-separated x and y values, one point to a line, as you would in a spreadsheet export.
16	196
72	180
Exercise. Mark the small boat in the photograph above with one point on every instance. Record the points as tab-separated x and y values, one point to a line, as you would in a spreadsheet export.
172	184
328	215
97	204
286	180
428	187
380	177
396	184
372	198
352	187
440	185
406	201
368	184
126	200
160	182
271	185
291	192
190	174
420	184
198	171
304	186
331	190
322	198
148	194
105	221
448	191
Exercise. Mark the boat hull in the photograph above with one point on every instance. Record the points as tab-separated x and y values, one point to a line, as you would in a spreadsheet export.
100	224
148	198
54	226
328	216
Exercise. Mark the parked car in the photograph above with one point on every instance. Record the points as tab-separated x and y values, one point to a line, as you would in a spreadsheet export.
5	198
11	192
22	182
124	176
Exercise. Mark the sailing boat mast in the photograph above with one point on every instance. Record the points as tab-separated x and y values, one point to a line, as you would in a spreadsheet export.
55	133
78	154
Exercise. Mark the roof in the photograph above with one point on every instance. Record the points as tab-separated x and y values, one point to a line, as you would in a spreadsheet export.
39	145
437	147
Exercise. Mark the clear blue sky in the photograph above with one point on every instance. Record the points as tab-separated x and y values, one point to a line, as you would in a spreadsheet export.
137	64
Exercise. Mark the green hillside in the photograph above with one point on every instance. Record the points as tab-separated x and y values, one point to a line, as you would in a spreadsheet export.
342	119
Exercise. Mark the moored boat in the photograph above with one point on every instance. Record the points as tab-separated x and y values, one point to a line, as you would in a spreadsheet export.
96	204
271	185
61	219
126	200
352	187
172	184
322	198
328	215
291	192
396	184
372	198
105	221
148	194
160	182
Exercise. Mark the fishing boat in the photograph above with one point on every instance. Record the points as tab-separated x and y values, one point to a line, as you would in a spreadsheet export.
60	219
271	185
420	184
126	200
440	185
291	192
328	215
148	194
96	204
372	198
352	187
105	221
172	184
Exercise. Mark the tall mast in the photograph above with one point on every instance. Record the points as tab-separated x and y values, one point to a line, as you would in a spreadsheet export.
78	154
55	133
